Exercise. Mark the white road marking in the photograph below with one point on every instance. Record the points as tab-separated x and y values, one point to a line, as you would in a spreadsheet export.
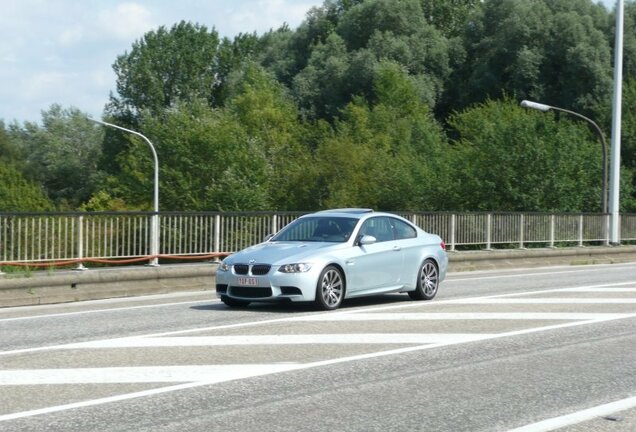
212	374
540	272
579	416
143	374
601	290
405	316
555	300
274	339
66	314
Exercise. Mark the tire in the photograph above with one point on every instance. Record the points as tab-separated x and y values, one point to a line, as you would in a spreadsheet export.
234	303
330	289
427	281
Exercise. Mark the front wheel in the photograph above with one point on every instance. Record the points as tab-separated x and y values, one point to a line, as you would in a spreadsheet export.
330	289
427	281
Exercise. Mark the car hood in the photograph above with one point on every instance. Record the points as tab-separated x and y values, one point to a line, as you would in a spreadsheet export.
282	252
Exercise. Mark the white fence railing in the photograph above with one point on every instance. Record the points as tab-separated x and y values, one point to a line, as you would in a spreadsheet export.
68	238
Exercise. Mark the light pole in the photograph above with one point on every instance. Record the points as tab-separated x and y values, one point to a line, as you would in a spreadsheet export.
546	108
154	225
615	167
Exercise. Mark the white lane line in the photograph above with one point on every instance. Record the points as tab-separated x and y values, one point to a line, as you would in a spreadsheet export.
66	314
299	339
94	402
579	416
144	374
555	300
418	316
601	290
452	278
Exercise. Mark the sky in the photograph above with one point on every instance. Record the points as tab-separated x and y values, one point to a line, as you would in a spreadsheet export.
62	51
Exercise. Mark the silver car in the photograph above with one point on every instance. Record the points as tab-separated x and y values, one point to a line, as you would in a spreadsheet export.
332	255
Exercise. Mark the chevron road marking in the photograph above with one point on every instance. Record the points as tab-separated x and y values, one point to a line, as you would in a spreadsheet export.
202	375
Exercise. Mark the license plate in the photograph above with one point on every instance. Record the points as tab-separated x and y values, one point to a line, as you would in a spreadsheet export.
247	281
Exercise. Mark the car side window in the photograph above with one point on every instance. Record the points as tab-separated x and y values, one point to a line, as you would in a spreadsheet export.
403	230
378	227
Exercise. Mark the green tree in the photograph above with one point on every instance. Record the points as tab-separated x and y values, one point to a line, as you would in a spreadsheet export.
390	156
511	159
270	119
448	16
62	154
17	194
356	37
554	51
166	67
206	162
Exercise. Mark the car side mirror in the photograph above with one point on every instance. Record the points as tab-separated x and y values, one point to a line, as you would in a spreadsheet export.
367	240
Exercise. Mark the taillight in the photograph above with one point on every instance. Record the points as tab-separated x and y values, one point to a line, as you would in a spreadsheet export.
443	245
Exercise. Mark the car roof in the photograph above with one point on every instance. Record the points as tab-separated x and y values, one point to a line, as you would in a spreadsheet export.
347	210
357	213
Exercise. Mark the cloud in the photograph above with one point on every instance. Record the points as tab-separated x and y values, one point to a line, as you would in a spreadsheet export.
126	21
263	15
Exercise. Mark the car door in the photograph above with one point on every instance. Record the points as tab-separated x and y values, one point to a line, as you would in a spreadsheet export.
378	265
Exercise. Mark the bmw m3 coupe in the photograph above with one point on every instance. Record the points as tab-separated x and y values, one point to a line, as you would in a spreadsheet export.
333	255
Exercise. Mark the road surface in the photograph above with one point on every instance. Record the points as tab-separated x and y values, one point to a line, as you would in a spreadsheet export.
523	350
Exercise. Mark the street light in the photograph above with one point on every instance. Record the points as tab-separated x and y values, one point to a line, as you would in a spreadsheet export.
154	226
545	108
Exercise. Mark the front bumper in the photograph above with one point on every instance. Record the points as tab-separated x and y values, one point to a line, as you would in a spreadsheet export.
272	287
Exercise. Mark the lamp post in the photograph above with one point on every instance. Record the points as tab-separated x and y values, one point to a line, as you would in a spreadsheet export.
615	167
154	225
546	108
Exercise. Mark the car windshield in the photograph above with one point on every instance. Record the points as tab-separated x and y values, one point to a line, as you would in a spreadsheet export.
318	229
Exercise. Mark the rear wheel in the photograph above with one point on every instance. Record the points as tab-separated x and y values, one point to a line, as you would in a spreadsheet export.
231	302
427	281
330	289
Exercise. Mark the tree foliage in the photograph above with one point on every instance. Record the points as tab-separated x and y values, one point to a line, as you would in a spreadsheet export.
513	160
166	67
390	104
62	155
18	194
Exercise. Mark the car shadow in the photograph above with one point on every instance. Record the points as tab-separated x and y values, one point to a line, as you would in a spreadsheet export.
290	308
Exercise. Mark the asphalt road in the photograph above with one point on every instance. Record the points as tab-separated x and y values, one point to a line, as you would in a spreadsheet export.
527	350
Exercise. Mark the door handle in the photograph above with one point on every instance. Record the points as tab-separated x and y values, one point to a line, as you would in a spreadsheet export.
397	248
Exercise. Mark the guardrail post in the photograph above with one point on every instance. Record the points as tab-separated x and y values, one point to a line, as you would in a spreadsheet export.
1	244
452	239
274	226
607	220
488	231
154	240
581	231
80	243
521	230
552	230
217	236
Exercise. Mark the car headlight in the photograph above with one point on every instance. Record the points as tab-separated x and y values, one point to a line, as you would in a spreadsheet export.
224	267
294	268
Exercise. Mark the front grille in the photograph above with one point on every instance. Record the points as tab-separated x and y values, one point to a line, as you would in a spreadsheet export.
257	269
250	292
260	269
241	269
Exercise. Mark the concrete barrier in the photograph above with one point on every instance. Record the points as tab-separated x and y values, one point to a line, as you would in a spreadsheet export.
21	289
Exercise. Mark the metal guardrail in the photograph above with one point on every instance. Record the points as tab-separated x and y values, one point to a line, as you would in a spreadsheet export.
75	238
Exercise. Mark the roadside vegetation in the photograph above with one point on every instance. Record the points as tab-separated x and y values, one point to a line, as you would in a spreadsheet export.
389	104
